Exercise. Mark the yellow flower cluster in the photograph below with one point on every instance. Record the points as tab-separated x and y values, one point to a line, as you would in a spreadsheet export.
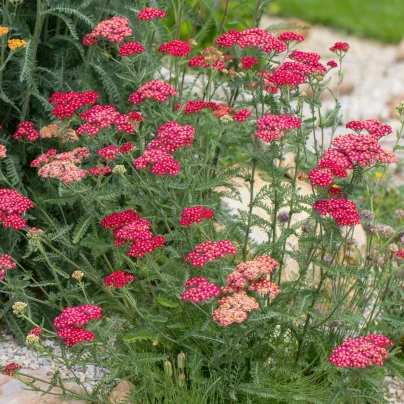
14	44
3	30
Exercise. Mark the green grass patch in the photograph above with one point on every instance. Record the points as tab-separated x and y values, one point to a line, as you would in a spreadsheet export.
377	19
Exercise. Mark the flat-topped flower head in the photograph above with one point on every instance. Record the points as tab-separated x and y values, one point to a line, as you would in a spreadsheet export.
156	90
195	215
361	352
77	316
67	104
129	48
199	289
6	263
97	117
340	47
11	369
372	126
248	62
118	279
265	287
26	129
114	30
176	48
321	177
209	251
210	57
343	211
149	13
242	115
12	206
271	127
332	64
99	170
74	335
3	151
289	37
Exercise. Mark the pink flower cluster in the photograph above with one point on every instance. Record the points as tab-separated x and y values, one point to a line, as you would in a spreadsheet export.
98	117
6	263
37	331
372	126
198	289
211	57
242	115
332	64
129	48
195	215
248	62
170	137
129	226
3	151
271	127
110	152
176	48
149	13
114	30
118	279
128	123
12	206
155	89
26	129
63	165
361	352
255	37
71	321
209	251
289	37
11	369
234	308
343	211
66	104
99	170
340	47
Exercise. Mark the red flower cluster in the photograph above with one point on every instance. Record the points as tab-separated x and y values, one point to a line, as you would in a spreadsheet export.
6	263
118	279
194	106
198	289
209	251
400	254
289	37
99	170
36	331
343	211
242	115
176	48
340	47
129	48
11	369
332	64
372	126
12	206
149	13
256	37
62	165
26	129
3	151
248	62
114	30
170	137
155	89
234	308
72	319
271	127
129	226
66	104
195	215
110	152
211	57
361	352
127	123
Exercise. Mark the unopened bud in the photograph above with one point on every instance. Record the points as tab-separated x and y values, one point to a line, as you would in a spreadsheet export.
181	361
119	169
168	369
32	339
181	380
78	275
400	108
226	119
19	307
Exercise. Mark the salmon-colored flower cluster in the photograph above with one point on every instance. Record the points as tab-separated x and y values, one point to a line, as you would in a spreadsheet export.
129	226
110	152
157	90
289	37
343	211
149	13
71	321
209	251
170	137
26	129
198	289
242	115
340	47
271	127
59	130
12	206
256	37
118	279
114	30
99	170
211	57
6	263
176	48
11	369
63	165
3	151
361	352
129	48
195	215
66	104
234	308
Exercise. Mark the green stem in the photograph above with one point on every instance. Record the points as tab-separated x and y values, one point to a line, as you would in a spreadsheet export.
250	205
3	39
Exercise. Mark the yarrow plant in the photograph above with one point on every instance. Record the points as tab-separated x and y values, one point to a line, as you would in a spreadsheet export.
197	220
